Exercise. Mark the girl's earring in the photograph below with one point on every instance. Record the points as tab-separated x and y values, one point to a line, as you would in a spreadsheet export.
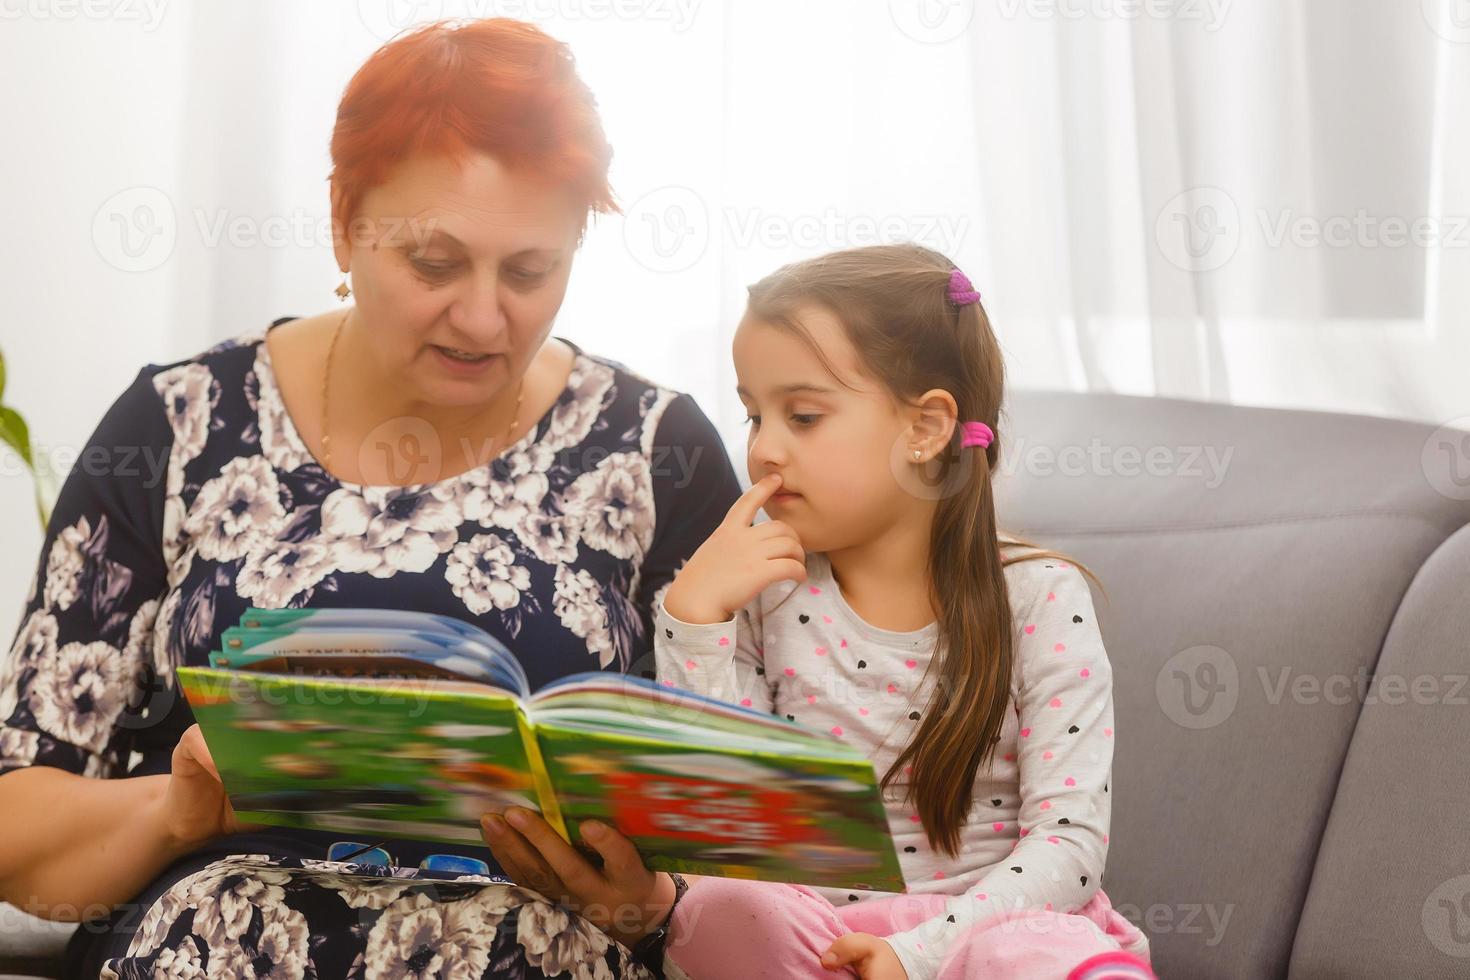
343	291
917	454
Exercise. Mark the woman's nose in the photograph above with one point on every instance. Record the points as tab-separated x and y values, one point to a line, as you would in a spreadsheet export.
478	313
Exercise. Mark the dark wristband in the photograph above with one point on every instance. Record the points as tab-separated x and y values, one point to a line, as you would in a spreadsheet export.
649	951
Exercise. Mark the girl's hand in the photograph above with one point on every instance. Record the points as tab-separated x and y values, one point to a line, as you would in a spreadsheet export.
623	898
195	807
737	561
870	955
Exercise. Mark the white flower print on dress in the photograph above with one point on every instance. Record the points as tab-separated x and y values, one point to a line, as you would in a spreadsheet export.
236	509
387	530
18	747
418	936
591	385
271	577
190	395
224	896
181	963
277	444
64	564
578	604
505	502
281	951
357	893
615	502
157	922
174	538
484	575
78	693
35	640
555	943
140	633
165	657
550	536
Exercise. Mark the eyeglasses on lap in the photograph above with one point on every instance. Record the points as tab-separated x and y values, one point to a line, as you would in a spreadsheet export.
375	855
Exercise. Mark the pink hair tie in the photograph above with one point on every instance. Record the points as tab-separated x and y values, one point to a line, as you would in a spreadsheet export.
961	291
977	434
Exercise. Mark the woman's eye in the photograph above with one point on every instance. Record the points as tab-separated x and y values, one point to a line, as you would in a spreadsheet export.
528	275
433	268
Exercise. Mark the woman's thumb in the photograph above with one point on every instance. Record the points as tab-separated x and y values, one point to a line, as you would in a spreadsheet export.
195	751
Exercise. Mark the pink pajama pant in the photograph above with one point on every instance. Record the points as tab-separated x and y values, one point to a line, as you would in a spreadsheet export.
745	930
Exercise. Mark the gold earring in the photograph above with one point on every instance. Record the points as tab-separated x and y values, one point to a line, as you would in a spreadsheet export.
343	291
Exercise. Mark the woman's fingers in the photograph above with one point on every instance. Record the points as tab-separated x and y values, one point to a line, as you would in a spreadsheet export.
574	872
520	860
621	863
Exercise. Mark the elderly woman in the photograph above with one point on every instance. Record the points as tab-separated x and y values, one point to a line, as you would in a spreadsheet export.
427	447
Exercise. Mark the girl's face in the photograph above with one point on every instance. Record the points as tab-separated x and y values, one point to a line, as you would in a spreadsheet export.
471	257
837	449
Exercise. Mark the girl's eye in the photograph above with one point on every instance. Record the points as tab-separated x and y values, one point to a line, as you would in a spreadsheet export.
802	420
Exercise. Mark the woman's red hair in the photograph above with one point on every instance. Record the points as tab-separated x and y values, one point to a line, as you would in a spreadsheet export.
496	86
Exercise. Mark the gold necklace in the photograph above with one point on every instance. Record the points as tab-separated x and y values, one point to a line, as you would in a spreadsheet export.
326	389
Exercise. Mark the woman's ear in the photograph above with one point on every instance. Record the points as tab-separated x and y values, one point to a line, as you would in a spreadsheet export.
341	240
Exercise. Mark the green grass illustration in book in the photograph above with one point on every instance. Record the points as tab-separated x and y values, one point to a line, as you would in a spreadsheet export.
401	724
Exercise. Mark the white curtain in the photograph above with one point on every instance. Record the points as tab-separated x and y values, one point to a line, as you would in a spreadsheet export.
1253	201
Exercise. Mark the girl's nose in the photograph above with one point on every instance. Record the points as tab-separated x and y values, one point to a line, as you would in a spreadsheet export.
767	450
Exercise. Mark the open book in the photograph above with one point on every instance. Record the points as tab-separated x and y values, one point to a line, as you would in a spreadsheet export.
370	721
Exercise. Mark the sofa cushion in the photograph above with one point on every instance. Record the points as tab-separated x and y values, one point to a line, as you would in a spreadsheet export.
1390	896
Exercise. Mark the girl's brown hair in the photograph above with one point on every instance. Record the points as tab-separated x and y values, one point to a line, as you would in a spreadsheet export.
893	302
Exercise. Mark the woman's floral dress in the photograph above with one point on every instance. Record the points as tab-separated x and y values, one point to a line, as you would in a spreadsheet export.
196	498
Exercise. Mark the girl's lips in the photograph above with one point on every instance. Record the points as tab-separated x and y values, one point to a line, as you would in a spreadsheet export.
783	496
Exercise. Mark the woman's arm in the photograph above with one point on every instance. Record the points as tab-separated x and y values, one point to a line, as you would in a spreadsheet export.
75	847
76	837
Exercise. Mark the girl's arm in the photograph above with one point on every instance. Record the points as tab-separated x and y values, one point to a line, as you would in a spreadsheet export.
1065	756
694	486
720	660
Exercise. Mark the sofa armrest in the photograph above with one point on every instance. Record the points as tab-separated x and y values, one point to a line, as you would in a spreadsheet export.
29	946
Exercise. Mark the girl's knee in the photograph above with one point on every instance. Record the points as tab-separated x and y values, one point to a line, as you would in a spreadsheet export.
723	926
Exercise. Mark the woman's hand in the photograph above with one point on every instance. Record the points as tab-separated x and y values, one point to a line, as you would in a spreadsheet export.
737	561
195	807
870	955
623	898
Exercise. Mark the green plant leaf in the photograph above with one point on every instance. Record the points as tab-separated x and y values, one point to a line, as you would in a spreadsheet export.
2	374
13	432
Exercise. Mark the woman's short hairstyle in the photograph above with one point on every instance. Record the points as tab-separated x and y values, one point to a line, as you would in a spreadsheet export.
496	86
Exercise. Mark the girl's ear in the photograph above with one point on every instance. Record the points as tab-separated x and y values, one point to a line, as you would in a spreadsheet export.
935	416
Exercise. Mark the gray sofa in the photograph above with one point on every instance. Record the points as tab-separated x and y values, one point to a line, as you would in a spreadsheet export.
1273	814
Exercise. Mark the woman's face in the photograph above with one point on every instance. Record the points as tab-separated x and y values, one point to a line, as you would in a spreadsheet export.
468	257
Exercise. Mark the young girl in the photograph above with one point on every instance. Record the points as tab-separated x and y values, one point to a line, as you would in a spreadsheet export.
882	605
